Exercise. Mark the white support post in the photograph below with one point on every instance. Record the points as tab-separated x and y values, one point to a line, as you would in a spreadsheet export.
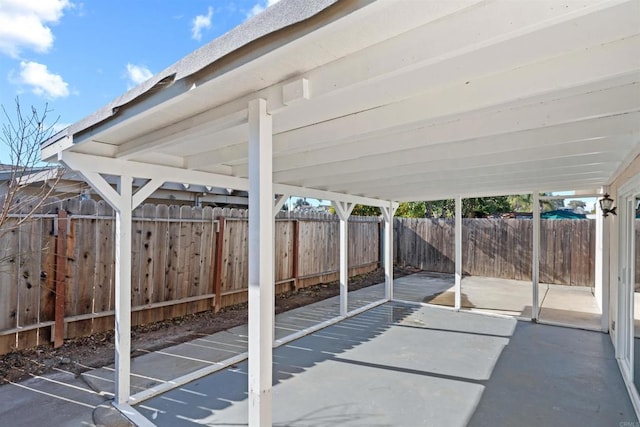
121	200
261	292
458	254
535	258
344	210
602	266
123	291
387	215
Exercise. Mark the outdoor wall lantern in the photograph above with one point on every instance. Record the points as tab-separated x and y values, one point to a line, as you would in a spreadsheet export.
605	204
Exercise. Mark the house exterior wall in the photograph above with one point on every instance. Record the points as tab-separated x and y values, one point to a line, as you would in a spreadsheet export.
628	174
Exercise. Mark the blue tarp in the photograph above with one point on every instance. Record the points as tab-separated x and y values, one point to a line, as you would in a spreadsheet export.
562	214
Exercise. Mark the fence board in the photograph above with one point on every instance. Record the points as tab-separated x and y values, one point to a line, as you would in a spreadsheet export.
161	254
136	263
47	272
28	270
207	254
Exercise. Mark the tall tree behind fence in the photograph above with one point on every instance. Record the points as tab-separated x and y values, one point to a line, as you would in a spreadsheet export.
501	248
182	258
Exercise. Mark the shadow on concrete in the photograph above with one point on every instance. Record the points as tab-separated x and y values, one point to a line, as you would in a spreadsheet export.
198	402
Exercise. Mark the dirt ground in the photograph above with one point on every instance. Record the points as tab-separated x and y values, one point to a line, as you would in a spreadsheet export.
81	354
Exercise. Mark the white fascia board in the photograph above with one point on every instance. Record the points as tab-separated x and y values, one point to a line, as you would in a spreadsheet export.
135	110
49	153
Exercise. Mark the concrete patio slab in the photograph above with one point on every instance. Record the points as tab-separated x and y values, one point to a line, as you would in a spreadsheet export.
58	399
501	296
573	304
570	305
402	365
457	355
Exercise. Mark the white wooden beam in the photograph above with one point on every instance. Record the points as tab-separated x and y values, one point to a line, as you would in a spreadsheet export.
87	162
103	188
535	257
96	164
471	187
230	153
458	254
207	123
326	195
295	91
503	189
279	202
344	209
261	292
145	192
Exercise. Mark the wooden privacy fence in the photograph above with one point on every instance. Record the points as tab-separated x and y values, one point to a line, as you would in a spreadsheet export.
182	258
501	248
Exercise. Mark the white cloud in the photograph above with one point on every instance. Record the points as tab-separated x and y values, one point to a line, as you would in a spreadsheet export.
24	24
260	7
137	74
42	81
201	22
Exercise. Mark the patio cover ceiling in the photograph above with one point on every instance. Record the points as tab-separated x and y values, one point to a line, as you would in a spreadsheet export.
393	100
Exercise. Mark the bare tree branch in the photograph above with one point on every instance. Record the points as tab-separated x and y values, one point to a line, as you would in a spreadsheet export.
27	183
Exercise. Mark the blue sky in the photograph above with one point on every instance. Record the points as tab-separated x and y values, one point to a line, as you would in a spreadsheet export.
77	56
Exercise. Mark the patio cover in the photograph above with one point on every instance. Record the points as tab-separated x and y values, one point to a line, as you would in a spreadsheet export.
373	102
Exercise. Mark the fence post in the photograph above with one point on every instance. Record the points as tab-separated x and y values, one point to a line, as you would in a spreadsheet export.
60	277
296	249
217	276
381	259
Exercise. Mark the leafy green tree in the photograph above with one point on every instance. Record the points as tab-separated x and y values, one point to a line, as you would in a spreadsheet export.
411	209
471	207
521	202
364	210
